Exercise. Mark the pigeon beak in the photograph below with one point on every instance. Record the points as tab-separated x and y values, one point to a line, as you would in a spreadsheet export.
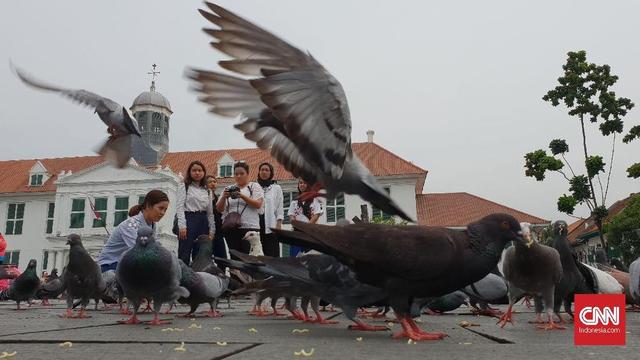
529	240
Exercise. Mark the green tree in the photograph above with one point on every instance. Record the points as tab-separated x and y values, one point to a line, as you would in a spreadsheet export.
584	88
623	231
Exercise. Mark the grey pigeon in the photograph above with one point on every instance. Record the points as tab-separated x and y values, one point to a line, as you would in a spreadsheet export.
120	122
82	277
203	262
634	281
411	261
148	270
24	287
51	289
292	107
492	289
446	303
532	269
113	291
203	288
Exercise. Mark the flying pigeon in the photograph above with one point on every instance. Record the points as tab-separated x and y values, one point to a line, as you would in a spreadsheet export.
532	269
411	261
51	289
82	278
121	124
292	107
203	288
24	287
148	270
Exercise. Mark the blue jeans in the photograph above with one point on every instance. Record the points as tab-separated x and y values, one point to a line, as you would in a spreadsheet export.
107	267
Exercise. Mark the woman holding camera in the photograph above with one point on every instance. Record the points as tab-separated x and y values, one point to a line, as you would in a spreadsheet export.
273	210
194	210
240	205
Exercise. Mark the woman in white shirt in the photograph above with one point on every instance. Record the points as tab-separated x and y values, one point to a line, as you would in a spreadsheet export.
273	210
247	201
305	211
194	209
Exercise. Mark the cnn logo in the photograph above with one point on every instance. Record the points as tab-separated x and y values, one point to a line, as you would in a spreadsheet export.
600	319
592	315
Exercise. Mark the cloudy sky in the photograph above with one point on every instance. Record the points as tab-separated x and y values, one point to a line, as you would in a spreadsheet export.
454	87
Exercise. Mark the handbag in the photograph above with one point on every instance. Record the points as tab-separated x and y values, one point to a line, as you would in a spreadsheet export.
175	229
233	220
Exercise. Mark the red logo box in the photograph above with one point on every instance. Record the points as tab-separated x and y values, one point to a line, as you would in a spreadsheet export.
599	319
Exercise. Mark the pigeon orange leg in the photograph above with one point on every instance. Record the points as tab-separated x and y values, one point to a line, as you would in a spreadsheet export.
360	326
82	314
213	314
320	320
169	310
409	328
538	320
68	314
132	321
157	321
550	325
148	308
488	312
506	317
432	312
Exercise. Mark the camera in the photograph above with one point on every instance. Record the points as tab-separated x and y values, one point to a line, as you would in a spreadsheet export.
234	191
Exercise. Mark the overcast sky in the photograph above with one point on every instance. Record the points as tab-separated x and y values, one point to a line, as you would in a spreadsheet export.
454	87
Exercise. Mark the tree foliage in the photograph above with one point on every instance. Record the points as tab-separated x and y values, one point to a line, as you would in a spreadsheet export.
623	231
585	89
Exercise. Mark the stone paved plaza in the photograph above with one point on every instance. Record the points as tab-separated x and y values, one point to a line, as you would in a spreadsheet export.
38	332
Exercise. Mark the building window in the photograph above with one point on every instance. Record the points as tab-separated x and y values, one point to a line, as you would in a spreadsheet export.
36	180
45	260
335	208
100	207
225	171
12	258
122	210
77	214
288	197
141	199
379	214
50	212
15	218
156	123
166	125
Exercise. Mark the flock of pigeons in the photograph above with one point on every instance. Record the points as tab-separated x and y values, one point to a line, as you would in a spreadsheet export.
410	269
294	108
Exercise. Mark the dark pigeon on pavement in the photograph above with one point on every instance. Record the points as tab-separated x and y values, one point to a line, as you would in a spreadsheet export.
532	269
573	281
121	124
82	278
492	289
52	289
24	287
293	107
203	287
150	271
445	303
411	261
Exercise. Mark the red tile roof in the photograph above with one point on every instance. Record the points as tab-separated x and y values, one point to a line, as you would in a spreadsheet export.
580	230
461	208
380	162
15	173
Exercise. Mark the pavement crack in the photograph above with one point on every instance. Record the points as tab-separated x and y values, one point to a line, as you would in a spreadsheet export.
235	352
490	337
60	329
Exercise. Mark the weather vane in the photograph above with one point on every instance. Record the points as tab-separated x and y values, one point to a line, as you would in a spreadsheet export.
153	74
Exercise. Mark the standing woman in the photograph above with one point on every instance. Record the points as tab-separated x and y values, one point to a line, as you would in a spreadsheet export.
194	209
308	211
246	200
273	210
219	247
152	209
